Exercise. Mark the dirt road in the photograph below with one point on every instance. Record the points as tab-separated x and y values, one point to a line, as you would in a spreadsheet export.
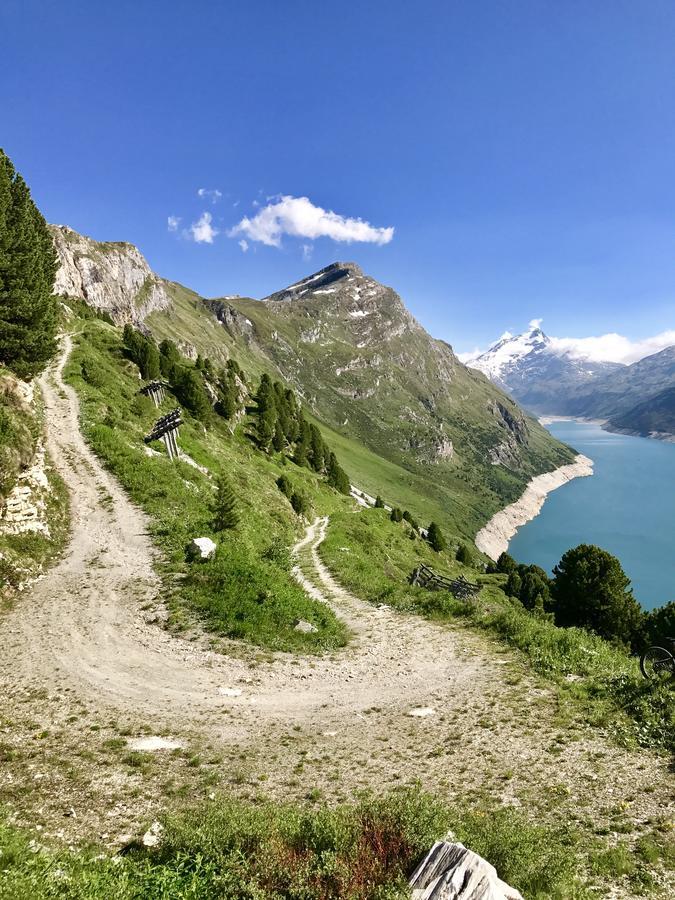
407	699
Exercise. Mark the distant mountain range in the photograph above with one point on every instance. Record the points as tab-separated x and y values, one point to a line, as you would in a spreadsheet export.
637	398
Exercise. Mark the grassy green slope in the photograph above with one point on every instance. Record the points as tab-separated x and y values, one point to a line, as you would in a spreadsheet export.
247	592
460	493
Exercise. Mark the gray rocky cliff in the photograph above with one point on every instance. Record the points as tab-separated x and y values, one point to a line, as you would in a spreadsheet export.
112	277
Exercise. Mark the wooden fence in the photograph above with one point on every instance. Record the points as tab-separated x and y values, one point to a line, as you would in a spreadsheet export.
432	581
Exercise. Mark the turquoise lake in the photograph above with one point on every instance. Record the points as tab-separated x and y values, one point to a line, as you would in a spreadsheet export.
627	507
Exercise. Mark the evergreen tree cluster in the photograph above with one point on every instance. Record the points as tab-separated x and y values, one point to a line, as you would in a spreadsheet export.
187	382
28	263
589	589
280	426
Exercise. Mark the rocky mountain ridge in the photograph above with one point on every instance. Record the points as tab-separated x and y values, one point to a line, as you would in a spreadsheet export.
113	277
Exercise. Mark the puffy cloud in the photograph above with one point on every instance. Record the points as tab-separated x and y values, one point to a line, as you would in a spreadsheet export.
202	231
535	323
299	217
243	243
213	195
172	223
613	347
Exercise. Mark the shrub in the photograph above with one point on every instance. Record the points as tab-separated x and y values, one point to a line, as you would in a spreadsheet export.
435	538
410	519
285	486
225	506
464	555
300	503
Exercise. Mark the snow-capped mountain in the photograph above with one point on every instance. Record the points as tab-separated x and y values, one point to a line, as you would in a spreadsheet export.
536	372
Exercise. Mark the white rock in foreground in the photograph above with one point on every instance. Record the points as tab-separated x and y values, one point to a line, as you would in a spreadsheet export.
305	627
202	548
493	539
451	872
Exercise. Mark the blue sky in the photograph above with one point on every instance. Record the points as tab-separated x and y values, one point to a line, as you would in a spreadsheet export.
523	152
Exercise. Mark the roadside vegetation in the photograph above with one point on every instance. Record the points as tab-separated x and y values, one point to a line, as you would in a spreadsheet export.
600	677
242	851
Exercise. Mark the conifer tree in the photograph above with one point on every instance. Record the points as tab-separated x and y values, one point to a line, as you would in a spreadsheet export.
379	502
148	361
396	515
226	389
278	439
225	506
337	477
317	449
169	357
410	519
435	538
28	262
266	412
188	386
464	555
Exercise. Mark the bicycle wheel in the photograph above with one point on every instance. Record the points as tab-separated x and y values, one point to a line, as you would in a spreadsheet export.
657	662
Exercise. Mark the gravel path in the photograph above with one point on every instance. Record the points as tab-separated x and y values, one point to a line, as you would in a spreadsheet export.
406	699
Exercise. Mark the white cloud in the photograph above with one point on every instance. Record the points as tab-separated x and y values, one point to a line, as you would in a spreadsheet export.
202	231
299	217
307	250
535	323
213	195
613	347
243	243
172	223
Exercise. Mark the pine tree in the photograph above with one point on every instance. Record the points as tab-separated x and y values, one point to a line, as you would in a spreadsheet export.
285	486
379	502
188	386
225	506
337	477
28	262
514	585
464	555
148	361
591	590
278	439
303	444
410	519
317	449
435	538
266	412
506	563
169	357
300	504
396	515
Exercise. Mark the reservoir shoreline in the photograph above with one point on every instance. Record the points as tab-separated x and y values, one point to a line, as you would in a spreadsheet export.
494	537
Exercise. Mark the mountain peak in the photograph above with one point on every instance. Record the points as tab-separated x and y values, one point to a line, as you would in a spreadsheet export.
329	275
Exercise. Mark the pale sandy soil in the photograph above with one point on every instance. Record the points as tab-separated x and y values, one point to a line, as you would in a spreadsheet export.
82	671
493	538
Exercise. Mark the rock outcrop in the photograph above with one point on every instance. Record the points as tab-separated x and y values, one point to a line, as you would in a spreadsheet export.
112	277
451	872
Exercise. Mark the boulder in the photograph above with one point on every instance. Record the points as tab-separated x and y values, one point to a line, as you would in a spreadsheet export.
305	627
451	872
202	548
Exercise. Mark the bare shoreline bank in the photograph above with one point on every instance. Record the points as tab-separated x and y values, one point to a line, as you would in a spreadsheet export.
605	424
494	537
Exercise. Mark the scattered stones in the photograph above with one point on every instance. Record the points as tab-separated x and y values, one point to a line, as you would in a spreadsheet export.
230	692
201	549
152	743
304	627
421	712
153	835
451	872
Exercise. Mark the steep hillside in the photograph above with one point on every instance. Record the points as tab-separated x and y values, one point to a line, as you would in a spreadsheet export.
654	417
407	413
368	371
